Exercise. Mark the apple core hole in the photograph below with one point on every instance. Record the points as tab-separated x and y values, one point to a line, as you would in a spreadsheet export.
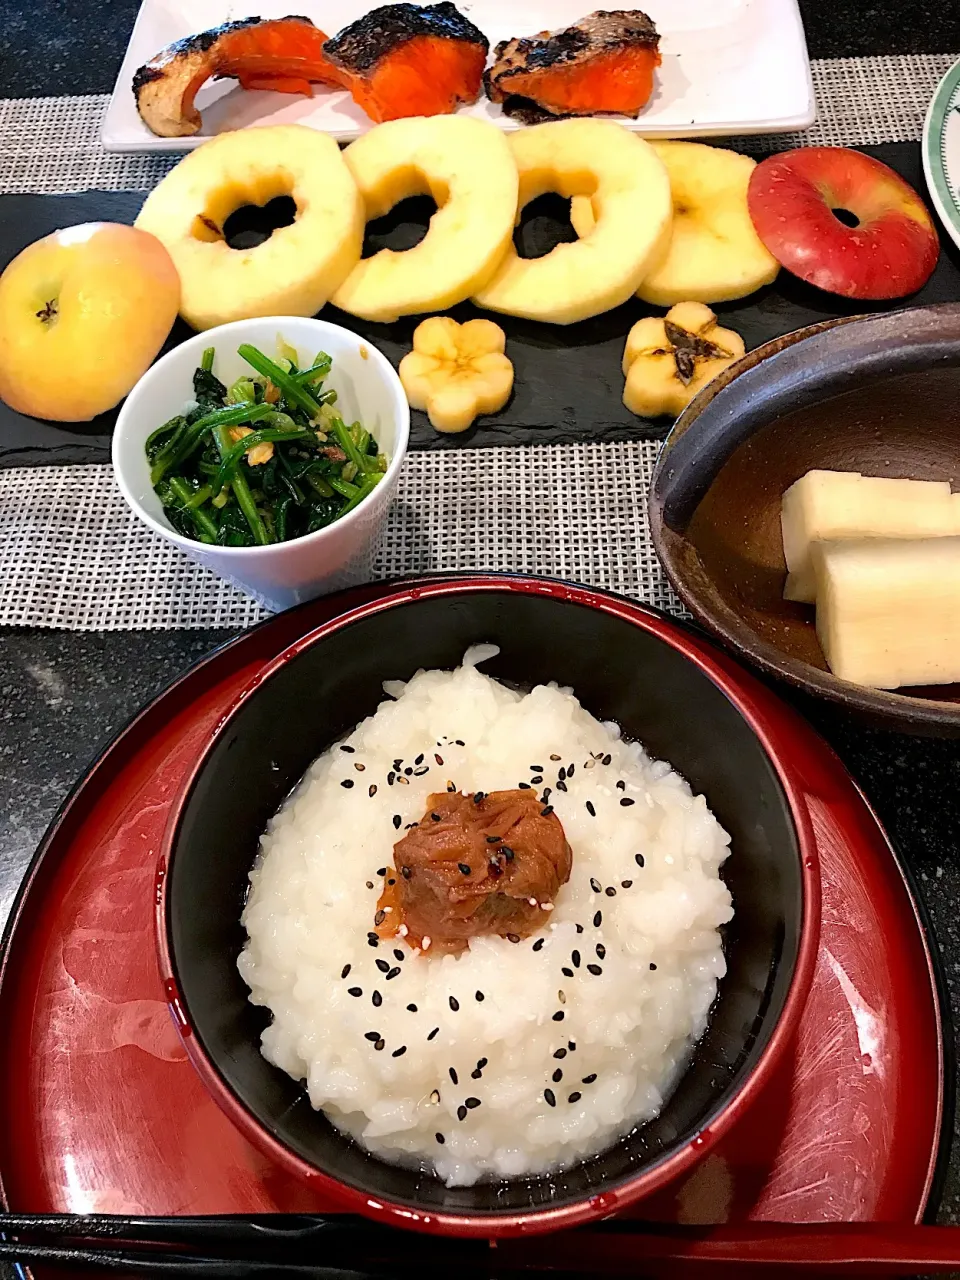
848	218
402	228
544	223
252	224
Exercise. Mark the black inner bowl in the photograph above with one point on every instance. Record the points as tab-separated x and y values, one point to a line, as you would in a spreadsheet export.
618	672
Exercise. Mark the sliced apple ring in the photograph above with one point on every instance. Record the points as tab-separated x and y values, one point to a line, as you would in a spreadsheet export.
714	253
467	167
630	195
294	272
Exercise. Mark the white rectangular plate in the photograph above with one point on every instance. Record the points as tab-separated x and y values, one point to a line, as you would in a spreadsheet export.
729	67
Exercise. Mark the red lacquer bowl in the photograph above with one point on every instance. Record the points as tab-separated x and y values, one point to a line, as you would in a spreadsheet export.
626	663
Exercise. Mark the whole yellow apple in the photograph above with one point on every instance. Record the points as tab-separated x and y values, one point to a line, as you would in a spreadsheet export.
83	312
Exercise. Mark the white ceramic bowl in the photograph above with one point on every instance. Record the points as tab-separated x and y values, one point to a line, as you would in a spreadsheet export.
368	389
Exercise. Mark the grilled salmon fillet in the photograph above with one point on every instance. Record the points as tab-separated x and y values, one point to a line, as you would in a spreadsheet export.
603	64
410	60
283	54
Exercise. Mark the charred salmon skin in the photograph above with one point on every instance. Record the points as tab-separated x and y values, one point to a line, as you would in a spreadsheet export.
283	54
410	60
604	64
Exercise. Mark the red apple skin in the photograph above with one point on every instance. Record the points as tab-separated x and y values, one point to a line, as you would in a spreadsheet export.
83	313
791	198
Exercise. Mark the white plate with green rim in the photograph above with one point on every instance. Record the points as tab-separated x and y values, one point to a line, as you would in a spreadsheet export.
941	151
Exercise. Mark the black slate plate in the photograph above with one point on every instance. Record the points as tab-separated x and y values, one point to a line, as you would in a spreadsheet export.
568	382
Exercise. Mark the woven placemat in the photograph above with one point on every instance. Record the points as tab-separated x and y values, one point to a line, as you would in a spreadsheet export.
53	144
72	555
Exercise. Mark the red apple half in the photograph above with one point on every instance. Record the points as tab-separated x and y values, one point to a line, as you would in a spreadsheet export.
844	222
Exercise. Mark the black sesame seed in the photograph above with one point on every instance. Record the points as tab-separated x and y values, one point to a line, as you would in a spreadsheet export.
537	779
377	999
538	944
347	782
478	797
394	972
589	1079
405	872
535	768
606	759
621	785
575	957
610	891
372	790
597	919
571	1045
524	786
557	1076
440	1138
558	1016
411	1008
419	759
453	1076
594	969
398	953
439	759
460	742
560	1053
478	996
562	774
408	770
638	859
398	1053
371	1036
411	825
652	967
433	1033
601	951
461	1113
547	791
494	839
450	787
561	786
574	1097
454	1005
372	937
626	802
481	1063
567	973
355	991
349	750
418	773
551	1100
464	869
626	884
476	1075
358	766
595	884
471	1103
382	965
513	937
579	928
556	757
545	813
590	809
397	820
380	1044
380	917
507	852
390	778
391	881
381	871
373	941
344	971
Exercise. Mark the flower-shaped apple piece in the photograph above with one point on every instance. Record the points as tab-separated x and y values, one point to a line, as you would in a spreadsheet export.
455	372
667	361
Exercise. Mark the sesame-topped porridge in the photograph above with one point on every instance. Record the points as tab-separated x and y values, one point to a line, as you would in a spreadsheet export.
486	927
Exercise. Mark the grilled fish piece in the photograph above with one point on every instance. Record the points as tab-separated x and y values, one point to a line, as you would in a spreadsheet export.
283	54
603	64
410	60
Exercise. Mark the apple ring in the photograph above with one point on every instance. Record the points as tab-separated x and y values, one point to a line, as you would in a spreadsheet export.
294	272
467	167
630	193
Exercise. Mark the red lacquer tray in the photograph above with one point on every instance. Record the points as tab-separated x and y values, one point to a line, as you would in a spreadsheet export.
101	1112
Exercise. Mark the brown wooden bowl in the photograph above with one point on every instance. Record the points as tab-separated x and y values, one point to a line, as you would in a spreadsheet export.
878	394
